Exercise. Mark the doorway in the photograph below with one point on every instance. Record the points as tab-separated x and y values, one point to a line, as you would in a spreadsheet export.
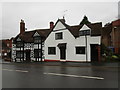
62	53
28	56
94	52
62	47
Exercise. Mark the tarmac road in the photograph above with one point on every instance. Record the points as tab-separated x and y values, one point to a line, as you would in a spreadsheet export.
59	75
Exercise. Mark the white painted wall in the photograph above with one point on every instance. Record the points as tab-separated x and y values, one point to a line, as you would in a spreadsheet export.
85	27
59	26
71	44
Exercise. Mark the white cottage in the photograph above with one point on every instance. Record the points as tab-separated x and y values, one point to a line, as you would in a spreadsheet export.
80	43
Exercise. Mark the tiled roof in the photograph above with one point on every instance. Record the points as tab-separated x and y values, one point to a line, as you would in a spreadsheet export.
95	28
106	30
28	35
116	23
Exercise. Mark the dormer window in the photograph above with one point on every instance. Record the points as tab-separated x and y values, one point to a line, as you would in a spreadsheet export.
18	40
19	44
37	39
84	32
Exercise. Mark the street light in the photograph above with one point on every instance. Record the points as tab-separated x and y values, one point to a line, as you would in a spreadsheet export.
86	32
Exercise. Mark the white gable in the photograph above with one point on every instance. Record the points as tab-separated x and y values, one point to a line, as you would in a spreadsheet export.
18	39
85	27
36	34
59	26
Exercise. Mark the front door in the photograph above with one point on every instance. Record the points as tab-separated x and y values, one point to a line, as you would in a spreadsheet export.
94	52
28	56
62	53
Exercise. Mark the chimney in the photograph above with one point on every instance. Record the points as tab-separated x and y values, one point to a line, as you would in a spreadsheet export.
51	25
22	26
63	19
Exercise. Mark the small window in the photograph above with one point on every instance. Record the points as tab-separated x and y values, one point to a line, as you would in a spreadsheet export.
87	32
52	50
80	50
84	32
58	35
19	44
37	39
19	54
37	53
81	33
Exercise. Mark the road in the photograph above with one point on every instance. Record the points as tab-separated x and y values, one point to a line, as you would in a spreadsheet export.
59	75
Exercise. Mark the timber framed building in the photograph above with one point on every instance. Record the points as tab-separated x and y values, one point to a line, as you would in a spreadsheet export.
29	45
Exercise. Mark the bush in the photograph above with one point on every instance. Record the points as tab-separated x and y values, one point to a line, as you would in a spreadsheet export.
108	55
116	57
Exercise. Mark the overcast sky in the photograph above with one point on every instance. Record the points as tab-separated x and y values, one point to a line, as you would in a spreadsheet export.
38	14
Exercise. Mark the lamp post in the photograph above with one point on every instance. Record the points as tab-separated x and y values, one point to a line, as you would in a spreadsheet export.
86	32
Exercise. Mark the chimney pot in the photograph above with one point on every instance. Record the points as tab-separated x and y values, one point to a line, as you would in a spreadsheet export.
51	25
22	26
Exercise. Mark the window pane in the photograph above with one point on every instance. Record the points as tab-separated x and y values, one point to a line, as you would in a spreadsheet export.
37	39
52	50
58	35
37	53
19	54
88	32
80	50
81	33
84	32
19	44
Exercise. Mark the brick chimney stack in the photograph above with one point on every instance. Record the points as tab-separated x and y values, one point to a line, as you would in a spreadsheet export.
51	25
22	26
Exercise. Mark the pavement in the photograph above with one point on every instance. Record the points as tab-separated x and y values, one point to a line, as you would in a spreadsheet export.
70	64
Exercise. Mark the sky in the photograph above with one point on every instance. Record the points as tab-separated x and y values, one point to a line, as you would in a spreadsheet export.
37	15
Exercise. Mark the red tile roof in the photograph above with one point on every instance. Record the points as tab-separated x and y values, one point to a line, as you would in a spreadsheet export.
116	23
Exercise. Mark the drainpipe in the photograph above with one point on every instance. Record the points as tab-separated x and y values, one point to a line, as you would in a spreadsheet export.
41	49
38	53
99	53
20	52
23	51
86	47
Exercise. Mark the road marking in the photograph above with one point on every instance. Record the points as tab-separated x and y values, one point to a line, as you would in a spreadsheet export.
90	77
15	70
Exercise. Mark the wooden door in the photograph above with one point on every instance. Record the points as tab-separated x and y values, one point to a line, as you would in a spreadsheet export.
62	53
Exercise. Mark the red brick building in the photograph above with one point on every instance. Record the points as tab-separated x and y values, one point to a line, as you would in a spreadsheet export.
115	35
5	47
111	35
106	35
